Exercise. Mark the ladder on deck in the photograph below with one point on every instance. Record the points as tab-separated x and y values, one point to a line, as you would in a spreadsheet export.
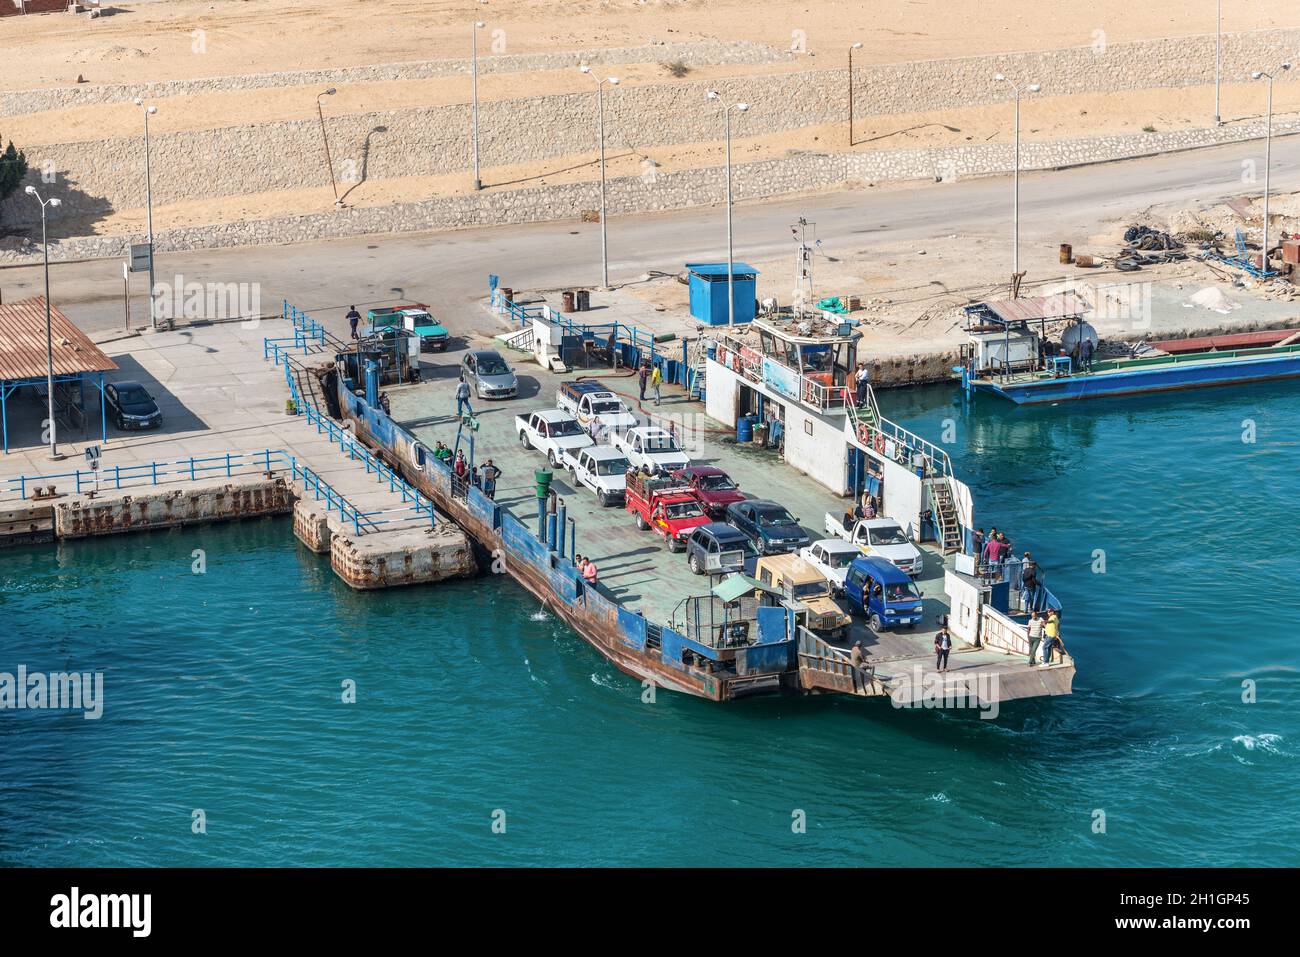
945	513
697	379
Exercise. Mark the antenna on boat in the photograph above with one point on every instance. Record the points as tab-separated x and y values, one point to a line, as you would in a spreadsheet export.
803	270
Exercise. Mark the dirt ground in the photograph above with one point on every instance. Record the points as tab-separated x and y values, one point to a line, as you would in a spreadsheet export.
157	40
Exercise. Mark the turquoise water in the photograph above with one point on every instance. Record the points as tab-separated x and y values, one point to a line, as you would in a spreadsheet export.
222	691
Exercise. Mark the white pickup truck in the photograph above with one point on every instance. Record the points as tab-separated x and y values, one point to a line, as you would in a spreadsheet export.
595	406
553	432
602	469
879	536
651	446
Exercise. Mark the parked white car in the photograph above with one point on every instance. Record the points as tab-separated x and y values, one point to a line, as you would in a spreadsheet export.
553	432
832	557
602	469
651	446
882	537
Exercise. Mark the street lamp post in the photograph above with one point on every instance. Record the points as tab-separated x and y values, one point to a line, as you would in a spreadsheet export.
148	203
1268	155
478	25
49	333
600	132
1015	180
326	140
731	291
1218	57
856	46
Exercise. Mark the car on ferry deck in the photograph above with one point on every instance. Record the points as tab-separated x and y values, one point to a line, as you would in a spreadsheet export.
769	526
714	486
832	558
717	548
489	375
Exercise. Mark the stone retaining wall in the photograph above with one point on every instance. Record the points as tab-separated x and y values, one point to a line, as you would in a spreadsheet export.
94	178
662	191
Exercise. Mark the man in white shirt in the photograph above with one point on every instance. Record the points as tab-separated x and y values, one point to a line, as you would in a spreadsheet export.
1035	637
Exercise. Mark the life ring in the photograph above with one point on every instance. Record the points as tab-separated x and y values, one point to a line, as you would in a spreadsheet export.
880	443
864	433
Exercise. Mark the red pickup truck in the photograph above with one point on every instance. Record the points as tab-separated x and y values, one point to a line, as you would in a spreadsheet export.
665	505
714	487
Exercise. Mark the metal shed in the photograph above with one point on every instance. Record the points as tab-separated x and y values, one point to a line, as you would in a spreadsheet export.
708	283
23	360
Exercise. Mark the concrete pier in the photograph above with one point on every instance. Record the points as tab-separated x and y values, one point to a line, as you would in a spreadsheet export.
149	508
220	397
412	557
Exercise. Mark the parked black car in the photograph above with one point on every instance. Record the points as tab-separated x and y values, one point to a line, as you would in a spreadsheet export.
132	406
721	541
770	528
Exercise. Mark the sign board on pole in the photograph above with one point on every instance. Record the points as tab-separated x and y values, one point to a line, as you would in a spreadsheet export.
141	254
92	456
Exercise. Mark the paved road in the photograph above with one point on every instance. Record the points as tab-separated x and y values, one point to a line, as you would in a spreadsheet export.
449	269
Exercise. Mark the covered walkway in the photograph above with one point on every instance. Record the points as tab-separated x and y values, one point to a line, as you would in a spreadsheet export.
24	363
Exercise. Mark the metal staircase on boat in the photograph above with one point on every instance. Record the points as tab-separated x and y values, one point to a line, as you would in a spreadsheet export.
945	515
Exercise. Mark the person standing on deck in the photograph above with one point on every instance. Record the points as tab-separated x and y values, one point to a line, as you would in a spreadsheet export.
1028	581
461	468
942	645
642	374
354	318
860	379
612	345
977	543
490	475
589	572
855	659
1035	637
1053	632
462	399
657	380
1085	355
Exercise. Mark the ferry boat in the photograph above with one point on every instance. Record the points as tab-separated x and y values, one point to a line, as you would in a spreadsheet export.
1006	356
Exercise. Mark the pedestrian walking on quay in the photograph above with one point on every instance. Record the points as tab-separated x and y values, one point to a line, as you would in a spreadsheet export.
657	380
354	318
642	375
462	399
942	645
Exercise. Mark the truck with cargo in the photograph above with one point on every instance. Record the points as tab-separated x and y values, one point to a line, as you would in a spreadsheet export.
666	506
432	335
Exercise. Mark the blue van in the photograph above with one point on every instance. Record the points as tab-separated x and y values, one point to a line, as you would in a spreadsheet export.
887	596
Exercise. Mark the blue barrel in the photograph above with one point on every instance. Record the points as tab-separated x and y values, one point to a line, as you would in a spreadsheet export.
745	429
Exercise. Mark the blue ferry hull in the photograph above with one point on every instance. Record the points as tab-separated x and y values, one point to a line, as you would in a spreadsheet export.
1138	381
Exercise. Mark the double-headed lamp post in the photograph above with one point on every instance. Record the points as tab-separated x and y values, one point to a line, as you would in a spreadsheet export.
49	334
320	113
1015	177
731	292
478	25
148	204
600	134
856	46
1268	152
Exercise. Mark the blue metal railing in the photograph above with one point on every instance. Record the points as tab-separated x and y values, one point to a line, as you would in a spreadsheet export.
227	464
411	498
637	340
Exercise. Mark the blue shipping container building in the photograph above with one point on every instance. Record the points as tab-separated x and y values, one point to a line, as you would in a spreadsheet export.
709	291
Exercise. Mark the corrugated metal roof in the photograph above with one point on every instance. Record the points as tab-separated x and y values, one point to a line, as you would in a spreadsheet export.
22	343
1063	305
